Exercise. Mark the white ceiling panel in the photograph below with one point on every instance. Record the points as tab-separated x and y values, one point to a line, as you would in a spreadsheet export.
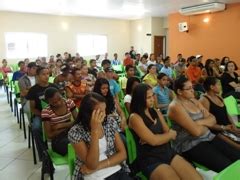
121	9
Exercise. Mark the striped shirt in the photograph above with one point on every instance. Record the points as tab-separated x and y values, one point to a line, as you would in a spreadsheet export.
48	114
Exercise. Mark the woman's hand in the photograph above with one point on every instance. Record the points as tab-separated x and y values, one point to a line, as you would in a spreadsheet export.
173	134
85	171
97	119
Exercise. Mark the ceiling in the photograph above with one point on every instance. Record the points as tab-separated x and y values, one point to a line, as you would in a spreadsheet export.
121	9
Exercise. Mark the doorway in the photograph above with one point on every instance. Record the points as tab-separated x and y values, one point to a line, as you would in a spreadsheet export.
160	45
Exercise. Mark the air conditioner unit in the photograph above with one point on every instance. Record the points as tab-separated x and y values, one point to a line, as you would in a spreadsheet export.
202	8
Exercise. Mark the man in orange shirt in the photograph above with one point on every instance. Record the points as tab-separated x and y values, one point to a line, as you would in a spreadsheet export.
193	72
127	60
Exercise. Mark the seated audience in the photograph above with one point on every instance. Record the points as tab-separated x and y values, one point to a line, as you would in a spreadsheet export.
151	76
97	143
85	76
151	60
78	88
132	82
224	61
225	127
180	67
115	61
229	80
35	96
156	159
93	67
193	72
162	94
166	69
113	110
25	83
18	74
57	119
194	140
209	69
132	53
128	60
65	78
199	61
143	64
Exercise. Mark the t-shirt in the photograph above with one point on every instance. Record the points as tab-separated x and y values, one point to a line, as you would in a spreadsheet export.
36	93
225	80
32	80
168	71
17	75
162	95
116	62
194	73
127	98
152	79
127	61
151	62
78	90
48	114
114	87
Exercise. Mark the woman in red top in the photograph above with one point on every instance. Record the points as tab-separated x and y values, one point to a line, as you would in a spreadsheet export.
78	88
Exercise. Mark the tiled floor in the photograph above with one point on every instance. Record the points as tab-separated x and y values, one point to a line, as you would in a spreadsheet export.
16	160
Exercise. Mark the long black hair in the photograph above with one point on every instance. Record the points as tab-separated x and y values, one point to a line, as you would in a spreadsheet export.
208	68
139	103
130	83
109	98
87	106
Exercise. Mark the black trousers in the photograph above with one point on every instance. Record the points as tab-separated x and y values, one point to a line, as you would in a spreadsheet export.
215	155
119	175
60	143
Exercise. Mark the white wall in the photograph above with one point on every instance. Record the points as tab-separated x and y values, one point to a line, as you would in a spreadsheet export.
138	38
156	26
60	39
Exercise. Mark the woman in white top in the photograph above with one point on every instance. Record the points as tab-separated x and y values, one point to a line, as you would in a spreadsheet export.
131	84
97	143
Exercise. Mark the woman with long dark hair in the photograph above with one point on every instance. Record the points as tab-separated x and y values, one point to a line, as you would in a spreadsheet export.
113	110
194	139
97	143
156	158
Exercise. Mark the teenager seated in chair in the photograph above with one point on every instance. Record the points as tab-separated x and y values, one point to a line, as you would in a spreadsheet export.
156	158
97	143
78	88
132	82
162	94
194	140
18	74
35	96
113	110
230	81
151	77
57	119
213	102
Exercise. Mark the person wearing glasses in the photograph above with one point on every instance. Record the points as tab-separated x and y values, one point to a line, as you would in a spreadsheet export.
194	140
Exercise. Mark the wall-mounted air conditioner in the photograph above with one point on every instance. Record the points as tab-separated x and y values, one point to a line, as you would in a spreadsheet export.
202	8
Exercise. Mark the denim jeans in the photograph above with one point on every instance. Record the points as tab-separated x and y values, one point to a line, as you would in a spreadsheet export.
38	135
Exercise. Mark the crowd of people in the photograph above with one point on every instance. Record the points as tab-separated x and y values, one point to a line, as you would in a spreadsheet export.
84	108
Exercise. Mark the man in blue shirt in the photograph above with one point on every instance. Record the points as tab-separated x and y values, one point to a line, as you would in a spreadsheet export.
18	74
115	61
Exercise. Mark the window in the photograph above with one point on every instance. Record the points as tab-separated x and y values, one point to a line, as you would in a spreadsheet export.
25	45
88	45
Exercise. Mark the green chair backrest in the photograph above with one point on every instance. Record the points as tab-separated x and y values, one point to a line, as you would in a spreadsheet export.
131	146
1	76
51	79
140	71
71	159
124	109
121	95
231	105
122	81
118	68
232	172
16	88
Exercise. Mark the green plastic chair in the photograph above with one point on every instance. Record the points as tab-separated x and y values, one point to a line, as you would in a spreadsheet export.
132	151
51	79
231	105
71	159
139	72
121	95
124	109
14	67
122	81
232	172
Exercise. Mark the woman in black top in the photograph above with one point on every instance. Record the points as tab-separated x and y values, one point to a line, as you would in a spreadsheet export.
225	127
156	158
229	80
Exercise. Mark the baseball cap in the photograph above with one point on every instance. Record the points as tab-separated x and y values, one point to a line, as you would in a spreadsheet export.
198	56
31	65
109	69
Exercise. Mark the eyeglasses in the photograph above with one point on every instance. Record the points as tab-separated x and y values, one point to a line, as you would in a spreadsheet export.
189	88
